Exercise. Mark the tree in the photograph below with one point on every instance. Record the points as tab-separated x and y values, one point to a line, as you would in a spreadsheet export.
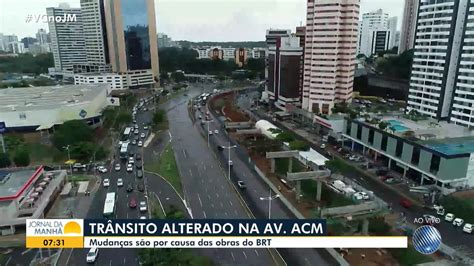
299	145
164	76
178	76
21	157
82	150
285	136
159	117
72	132
4	160
124	118
383	125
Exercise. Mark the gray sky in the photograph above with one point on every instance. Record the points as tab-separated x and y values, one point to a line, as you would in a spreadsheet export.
196	20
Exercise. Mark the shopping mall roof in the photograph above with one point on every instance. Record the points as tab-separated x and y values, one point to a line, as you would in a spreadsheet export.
48	97
14	183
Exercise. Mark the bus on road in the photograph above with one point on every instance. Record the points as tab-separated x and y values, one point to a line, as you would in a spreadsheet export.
109	205
124	151
126	134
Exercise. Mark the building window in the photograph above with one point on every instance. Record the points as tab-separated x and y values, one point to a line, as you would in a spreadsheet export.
348	128
384	143
22	116
359	131
434	166
399	149
371	136
415	157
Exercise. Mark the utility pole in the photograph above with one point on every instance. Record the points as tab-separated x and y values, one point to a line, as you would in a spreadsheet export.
270	198
208	122
228	157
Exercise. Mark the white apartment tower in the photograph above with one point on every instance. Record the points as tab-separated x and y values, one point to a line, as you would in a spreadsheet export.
407	33
392	27
372	21
438	42
330	53
95	37
67	38
462	110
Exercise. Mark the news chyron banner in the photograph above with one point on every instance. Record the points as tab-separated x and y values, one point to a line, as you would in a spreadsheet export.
239	233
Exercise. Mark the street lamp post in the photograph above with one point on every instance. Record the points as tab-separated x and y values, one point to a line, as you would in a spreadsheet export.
68	157
228	157
270	198
208	122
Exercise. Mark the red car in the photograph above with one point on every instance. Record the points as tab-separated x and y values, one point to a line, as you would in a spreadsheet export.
132	203
406	203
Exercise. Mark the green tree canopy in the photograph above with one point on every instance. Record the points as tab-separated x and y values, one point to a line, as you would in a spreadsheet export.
21	157
159	117
178	76
285	136
72	132
299	145
27	63
4	160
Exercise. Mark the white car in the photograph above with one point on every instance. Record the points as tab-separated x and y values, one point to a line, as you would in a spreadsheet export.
140	143
323	146
117	167
142	135
143	217
449	217
91	256
467	228
216	131
120	182
145	127
129	168
458	222
142	206
135	132
131	160
210	132
361	195
102	169
106	182
439	209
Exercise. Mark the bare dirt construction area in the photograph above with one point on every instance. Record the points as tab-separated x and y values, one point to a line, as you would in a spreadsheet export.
468	194
224	104
369	257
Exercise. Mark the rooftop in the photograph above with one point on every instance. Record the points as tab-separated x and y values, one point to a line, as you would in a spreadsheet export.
48	97
13	182
441	136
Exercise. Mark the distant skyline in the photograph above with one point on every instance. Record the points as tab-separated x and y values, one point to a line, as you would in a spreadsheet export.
195	20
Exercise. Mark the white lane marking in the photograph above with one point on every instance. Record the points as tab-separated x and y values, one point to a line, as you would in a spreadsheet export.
217	195
8	261
245	255
208	196
256	252
212	205
190	173
124	260
200	202
232	254
222	186
306	259
205	216
230	202
236	213
127	215
204	166
110	263
184	154
202	180
26	251
222	204
225	214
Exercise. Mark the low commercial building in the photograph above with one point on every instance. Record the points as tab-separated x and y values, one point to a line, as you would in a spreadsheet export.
25	195
41	108
431	152
117	81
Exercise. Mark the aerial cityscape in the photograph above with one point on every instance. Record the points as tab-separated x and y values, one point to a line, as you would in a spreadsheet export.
359	119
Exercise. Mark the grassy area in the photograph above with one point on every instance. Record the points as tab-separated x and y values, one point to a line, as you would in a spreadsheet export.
461	207
166	166
332	199
44	154
281	166
409	256
77	178
156	210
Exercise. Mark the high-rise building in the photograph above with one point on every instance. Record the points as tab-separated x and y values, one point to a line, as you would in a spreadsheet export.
372	21
380	41
228	53
274	34
283	83
258	52
16	47
132	42
67	38
407	33
95	37
438	43
42	36
301	33
27	41
330	53
392	27
241	56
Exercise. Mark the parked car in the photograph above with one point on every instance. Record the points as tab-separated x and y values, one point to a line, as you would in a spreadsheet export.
117	167
129	168
91	256
429	219
458	222
449	217
106	182
439	209
132	203
467	228
143	206
406	203
129	187
241	184
120	182
102	169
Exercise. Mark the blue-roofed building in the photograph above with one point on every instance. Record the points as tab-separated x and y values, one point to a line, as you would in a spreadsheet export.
428	151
